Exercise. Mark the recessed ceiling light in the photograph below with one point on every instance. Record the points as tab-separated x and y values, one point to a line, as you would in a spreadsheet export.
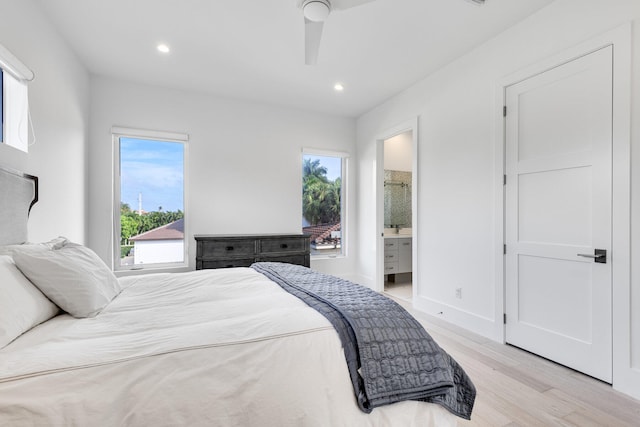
338	87
163	48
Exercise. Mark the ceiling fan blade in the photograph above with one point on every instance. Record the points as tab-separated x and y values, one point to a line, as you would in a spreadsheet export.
347	4
312	36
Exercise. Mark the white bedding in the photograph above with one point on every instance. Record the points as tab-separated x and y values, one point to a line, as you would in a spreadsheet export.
212	347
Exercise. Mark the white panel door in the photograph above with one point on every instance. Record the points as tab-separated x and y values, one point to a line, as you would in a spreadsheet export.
558	213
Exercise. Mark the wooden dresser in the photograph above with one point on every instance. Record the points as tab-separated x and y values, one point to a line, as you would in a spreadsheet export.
224	251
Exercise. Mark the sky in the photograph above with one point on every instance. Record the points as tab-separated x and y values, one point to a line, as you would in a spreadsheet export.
156	170
333	165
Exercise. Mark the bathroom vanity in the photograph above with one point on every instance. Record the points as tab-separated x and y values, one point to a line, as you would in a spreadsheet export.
397	254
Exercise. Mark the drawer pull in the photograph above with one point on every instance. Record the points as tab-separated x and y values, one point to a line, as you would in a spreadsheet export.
284	246
229	248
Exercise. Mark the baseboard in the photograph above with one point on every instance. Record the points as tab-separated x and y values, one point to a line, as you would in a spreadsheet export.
627	382
472	322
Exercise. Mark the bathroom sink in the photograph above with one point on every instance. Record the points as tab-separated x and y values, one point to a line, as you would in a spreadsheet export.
392	232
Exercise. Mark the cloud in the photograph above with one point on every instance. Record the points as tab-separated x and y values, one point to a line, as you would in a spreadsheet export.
156	170
159	177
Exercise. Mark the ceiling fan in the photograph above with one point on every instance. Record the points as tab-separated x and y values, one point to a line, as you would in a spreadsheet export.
315	13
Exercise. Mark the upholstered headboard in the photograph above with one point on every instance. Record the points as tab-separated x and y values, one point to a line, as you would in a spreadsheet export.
18	193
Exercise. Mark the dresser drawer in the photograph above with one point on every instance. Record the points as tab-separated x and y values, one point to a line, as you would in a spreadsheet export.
390	257
226	248
282	245
289	259
390	267
390	245
226	263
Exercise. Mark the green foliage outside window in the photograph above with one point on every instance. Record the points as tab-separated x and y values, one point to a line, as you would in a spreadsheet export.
132	224
320	196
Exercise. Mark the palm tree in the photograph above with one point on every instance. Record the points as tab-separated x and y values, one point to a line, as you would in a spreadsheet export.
320	196
312	170
124	208
313	198
335	191
321	201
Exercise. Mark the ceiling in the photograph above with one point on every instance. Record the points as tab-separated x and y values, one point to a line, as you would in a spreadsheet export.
254	49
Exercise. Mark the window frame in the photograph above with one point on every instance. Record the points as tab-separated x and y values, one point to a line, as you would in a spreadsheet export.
15	111
1	105
344	157
151	135
14	100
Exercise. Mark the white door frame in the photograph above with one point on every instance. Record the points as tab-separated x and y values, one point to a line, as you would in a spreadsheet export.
625	376
407	126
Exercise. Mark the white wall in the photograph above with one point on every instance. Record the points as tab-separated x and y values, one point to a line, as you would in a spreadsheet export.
457	163
59	104
244	161
398	152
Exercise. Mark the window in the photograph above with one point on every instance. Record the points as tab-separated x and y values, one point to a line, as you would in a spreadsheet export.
323	212
149	204
14	105
1	105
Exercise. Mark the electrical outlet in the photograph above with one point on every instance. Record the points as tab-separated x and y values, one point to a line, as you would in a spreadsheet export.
459	293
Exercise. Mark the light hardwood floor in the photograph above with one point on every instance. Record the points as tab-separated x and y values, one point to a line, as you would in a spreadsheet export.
516	388
400	287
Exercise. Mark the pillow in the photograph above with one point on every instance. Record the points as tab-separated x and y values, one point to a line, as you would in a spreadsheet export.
56	243
72	276
22	305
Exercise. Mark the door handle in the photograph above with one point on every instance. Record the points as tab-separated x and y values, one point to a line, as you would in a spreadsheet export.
599	256
591	256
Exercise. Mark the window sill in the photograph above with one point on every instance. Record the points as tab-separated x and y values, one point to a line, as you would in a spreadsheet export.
323	257
149	270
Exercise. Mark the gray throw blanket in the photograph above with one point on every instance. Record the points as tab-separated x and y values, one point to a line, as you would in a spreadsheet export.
389	354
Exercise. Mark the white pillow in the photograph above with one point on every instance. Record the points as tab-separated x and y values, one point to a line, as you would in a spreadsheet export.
22	305
56	243
72	276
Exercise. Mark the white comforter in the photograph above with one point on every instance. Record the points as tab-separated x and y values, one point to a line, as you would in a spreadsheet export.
207	348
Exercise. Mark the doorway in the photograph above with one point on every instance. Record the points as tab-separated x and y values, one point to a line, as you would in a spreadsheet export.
558	204
398	185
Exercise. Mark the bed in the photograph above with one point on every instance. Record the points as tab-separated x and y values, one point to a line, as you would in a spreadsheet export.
227	347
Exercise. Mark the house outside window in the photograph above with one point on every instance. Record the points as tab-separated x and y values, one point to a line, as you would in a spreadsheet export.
149	189
323	208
